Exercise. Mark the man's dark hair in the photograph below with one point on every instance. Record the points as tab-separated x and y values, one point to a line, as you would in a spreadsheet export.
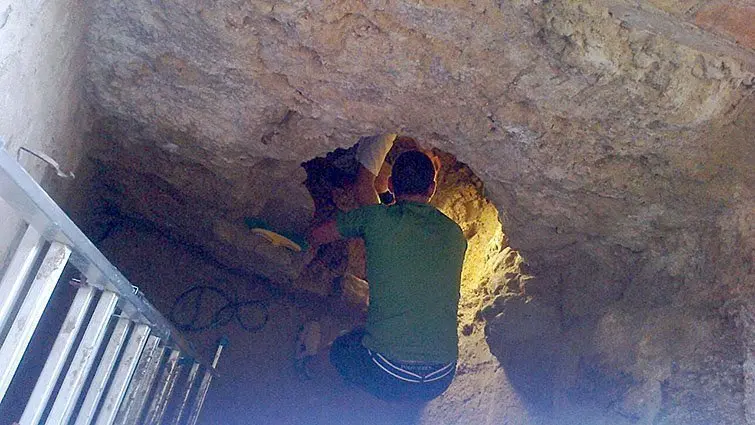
413	173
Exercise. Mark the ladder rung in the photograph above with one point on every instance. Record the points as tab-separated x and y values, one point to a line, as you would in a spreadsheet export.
136	397
205	385
17	272
28	316
166	385
199	400
58	355
103	372
187	392
73	383
123	375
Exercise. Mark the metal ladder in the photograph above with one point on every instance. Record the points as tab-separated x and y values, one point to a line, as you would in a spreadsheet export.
116	359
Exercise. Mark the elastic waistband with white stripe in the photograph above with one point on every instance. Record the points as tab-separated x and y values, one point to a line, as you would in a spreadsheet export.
413	372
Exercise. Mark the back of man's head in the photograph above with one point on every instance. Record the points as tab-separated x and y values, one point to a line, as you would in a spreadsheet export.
413	174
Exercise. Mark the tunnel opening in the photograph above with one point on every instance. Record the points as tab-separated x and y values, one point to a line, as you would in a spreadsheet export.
459	195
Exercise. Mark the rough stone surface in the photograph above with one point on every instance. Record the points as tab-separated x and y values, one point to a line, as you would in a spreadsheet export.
194	204
615	138
41	108
731	19
747	325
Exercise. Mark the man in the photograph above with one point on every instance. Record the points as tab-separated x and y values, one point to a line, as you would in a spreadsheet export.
409	346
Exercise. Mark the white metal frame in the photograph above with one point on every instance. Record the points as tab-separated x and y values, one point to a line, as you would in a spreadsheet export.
128	374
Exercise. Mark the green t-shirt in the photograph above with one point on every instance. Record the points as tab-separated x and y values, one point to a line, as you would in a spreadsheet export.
414	259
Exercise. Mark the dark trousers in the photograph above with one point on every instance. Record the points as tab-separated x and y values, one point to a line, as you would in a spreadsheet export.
384	378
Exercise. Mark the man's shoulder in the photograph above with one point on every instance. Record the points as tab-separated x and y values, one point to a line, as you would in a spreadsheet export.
450	225
447	220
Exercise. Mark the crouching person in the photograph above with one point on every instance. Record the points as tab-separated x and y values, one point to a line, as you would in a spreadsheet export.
409	346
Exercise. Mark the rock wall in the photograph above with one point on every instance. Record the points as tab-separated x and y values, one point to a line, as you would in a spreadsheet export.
41	108
614	138
747	324
197	205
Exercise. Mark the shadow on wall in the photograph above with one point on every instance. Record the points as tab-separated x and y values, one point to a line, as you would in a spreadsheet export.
548	360
523	334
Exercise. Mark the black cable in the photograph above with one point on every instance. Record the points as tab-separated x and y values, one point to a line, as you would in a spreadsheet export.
251	309
251	315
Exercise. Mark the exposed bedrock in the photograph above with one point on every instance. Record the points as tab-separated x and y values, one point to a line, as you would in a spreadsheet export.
615	140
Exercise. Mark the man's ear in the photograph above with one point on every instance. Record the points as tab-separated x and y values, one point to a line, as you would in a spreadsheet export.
431	190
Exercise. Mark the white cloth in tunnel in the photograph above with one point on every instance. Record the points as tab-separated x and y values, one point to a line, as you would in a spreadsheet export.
372	151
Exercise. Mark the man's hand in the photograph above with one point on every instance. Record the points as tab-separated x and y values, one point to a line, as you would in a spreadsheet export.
381	181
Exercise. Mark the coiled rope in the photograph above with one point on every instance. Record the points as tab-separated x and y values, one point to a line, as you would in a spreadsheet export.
189	311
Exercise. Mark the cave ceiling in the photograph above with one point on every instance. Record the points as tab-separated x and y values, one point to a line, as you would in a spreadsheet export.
592	123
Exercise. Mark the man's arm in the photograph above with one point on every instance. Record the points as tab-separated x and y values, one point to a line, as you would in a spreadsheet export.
371	156
364	188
